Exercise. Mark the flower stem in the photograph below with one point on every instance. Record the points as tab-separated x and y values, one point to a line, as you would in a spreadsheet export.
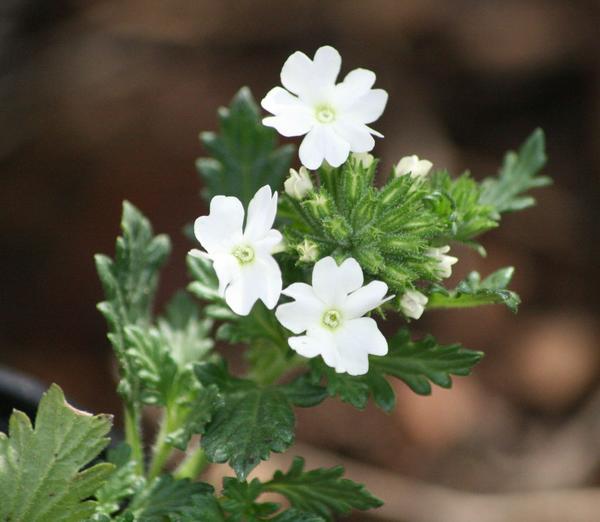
161	451
192	465
133	436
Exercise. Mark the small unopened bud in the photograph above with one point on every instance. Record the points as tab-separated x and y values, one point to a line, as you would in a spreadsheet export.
298	184
365	159
444	262
414	166
413	304
308	251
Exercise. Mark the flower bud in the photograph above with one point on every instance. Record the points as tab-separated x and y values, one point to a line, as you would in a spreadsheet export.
413	304
414	166
308	251
444	262
365	159
298	184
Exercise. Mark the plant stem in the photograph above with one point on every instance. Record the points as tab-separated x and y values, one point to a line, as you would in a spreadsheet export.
133	436
193	465
161	451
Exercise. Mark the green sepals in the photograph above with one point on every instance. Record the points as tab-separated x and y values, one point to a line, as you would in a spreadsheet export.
40	468
129	281
420	363
171	500
250	422
457	202
122	484
244	155
517	175
321	491
473	291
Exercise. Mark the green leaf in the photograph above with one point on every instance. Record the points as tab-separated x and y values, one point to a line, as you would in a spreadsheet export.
251	422
129	283
321	491
244	155
239	500
420	363
517	175
472	291
123	483
304	392
293	515
40	468
167	499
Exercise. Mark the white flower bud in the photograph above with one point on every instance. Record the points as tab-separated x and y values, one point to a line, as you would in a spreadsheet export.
413	304
414	166
365	159
444	262
298	184
308	250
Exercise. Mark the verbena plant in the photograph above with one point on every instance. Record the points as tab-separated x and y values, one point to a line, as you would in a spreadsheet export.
344	245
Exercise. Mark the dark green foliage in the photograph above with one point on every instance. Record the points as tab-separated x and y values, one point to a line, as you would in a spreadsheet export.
41	477
250	422
472	291
244	155
517	175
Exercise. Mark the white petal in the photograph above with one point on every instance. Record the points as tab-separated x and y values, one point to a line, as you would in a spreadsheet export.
332	283
223	226
297	73
299	315
227	269
258	280
356	340
317	342
278	100
269	243
356	84
291	123
312	148
369	107
337	149
327	64
261	213
357	135
365	299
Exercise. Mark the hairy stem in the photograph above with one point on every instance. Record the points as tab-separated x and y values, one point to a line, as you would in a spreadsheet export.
193	465
161	451
133	436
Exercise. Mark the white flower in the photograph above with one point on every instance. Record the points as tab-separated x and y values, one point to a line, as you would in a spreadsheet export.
298	184
413	304
333	116
330	312
242	258
308	251
365	159
414	166
444	262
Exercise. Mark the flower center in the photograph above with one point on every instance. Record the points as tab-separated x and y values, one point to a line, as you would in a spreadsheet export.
332	319
325	114
244	254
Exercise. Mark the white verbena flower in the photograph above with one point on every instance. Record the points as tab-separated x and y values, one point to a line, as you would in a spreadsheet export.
298	184
444	268
414	166
331	313
242	255
413	304
333	116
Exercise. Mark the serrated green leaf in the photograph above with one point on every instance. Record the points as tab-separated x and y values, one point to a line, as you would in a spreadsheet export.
167	499
293	515
251	422
321	491
40	468
244	153
239	500
517	175
304	392
472	291
420	363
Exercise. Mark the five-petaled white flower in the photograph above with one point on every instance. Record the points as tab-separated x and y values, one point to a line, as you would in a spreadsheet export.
331	313
414	166
333	116
444	262
413	304
242	255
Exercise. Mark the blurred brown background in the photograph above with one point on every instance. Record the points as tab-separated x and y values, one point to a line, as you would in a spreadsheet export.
102	101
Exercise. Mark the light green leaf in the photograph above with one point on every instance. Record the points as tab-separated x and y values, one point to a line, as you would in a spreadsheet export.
244	155
321	491
40	468
472	291
517	175
251	422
